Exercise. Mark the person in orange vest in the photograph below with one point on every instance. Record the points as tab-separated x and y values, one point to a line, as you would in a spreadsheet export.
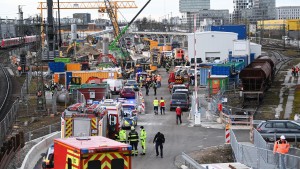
158	79
281	147
19	70
162	106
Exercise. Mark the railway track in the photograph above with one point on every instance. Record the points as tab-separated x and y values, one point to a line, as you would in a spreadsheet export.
5	85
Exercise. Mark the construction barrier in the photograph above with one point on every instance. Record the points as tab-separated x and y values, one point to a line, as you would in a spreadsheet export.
142	102
227	134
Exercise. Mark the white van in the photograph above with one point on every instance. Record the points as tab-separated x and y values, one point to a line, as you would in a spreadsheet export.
115	85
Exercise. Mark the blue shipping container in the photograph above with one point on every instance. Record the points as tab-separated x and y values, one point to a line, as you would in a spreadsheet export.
68	78
221	70
203	76
239	59
57	66
241	30
252	57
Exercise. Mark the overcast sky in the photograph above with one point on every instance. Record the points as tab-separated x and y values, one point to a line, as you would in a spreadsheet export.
156	8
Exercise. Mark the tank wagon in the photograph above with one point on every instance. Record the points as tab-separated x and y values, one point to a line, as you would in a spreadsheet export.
257	77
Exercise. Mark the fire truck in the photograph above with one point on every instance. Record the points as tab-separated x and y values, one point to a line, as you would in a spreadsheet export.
91	152
114	116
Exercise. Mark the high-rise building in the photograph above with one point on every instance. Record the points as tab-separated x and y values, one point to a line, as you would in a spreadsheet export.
238	7
193	5
288	12
85	17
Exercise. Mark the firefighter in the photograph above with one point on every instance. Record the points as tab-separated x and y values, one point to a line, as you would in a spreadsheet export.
281	147
154	85
141	81
143	138
122	135
133	139
117	136
155	105
162	106
147	88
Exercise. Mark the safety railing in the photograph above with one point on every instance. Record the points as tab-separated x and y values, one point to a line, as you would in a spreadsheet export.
245	120
190	162
31	135
256	157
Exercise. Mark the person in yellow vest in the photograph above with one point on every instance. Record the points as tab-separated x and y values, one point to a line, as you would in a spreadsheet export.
162	105
122	135
143	138
155	105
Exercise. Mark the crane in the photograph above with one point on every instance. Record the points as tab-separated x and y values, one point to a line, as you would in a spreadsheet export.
118	36
100	6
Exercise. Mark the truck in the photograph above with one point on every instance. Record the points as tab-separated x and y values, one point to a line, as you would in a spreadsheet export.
75	122
91	152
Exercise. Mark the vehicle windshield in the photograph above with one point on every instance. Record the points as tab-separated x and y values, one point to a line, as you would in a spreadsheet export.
178	87
128	89
179	96
128	107
180	91
131	82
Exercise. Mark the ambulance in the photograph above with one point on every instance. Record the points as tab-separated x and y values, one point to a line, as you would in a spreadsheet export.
75	122
95	152
114	115
130	112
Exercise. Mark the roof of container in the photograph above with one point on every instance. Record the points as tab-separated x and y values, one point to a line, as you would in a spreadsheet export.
218	76
95	142
216	32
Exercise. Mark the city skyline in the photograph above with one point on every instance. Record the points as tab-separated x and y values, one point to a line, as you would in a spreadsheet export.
155	10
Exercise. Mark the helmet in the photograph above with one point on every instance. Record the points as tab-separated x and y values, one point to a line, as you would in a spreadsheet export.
282	137
132	127
142	127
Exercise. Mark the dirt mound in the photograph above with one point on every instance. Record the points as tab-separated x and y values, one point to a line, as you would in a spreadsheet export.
87	49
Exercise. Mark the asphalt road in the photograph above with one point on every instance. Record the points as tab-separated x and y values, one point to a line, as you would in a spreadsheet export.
179	138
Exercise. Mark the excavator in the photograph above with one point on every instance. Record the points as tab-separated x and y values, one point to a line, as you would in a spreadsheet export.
118	44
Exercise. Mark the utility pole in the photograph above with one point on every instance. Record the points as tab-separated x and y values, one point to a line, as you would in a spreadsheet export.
21	29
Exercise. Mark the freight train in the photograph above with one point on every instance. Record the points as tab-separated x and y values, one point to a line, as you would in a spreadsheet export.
7	43
256	78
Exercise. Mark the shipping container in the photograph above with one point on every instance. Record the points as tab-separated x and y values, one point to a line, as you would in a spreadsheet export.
204	73
222	69
241	30
238	66
239	59
56	66
68	78
100	74
217	83
64	60
73	66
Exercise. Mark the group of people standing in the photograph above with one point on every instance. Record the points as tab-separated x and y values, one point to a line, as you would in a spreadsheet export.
153	81
160	103
133	138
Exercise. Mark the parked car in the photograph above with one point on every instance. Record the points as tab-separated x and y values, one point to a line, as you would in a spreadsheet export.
273	129
48	158
133	84
178	86
115	85
179	99
127	92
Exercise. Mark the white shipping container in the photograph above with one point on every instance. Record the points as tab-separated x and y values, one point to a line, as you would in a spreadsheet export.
255	48
241	48
211	45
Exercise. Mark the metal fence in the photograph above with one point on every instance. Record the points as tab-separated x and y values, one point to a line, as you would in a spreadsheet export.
257	158
31	135
25	88
190	162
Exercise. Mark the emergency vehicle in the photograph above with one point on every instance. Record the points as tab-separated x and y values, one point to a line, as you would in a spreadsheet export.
114	115
93	152
74	122
130	112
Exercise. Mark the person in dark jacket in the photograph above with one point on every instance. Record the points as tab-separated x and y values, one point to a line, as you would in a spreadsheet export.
159	140
147	88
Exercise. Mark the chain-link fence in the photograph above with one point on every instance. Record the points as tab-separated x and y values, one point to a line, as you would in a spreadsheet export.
31	135
25	87
257	157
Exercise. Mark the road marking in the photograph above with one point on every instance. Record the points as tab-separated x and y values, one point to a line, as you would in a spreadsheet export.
10	71
149	124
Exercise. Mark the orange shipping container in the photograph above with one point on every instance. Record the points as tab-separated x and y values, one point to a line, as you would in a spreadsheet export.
100	74
55	78
73	66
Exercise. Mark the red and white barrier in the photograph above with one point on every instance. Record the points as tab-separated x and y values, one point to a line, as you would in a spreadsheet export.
227	134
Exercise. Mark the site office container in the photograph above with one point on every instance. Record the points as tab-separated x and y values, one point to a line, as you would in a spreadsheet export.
64	60
73	67
63	78
56	66
91	152
100	74
204	73
217	83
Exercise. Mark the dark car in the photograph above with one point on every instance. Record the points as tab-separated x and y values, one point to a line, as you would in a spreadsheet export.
127	92
133	84
48	158
179	99
279	127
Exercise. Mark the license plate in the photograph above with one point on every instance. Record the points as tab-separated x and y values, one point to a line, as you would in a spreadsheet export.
178	102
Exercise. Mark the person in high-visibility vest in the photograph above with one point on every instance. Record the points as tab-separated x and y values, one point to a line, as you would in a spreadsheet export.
155	105
281	147
133	139
143	138
162	106
122	135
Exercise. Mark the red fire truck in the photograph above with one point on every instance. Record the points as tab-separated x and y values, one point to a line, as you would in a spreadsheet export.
91	153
